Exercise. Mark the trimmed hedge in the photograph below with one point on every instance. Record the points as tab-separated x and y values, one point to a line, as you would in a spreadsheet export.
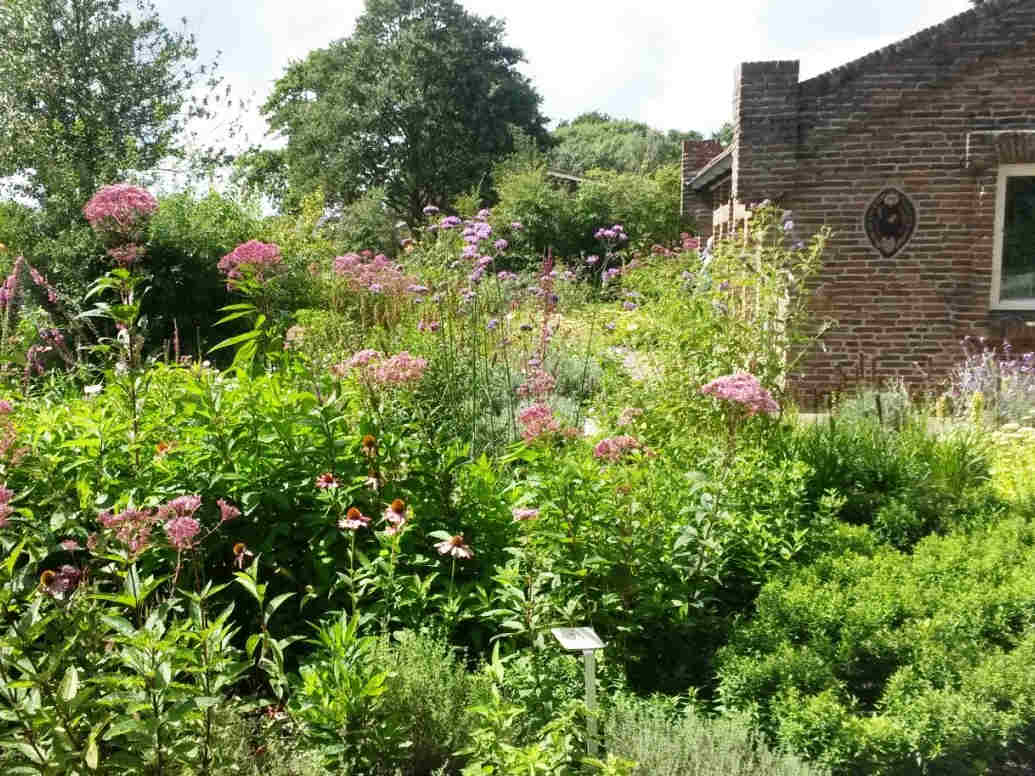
897	664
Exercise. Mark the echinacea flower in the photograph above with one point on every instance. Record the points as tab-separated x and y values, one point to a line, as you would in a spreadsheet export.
64	580
326	481
456	547
241	554
353	520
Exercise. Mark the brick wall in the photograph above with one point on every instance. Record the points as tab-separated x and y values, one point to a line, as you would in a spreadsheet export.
694	209
765	130
899	117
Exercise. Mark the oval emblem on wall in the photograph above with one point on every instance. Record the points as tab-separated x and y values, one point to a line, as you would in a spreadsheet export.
890	222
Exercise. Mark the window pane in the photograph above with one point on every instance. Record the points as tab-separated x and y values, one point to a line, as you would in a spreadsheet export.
1019	239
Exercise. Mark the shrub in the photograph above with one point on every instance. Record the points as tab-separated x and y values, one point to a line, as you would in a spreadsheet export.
665	740
890	663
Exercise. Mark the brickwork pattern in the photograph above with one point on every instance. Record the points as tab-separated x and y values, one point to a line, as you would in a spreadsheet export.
933	116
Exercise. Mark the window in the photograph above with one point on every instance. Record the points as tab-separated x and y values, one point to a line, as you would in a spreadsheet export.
1013	273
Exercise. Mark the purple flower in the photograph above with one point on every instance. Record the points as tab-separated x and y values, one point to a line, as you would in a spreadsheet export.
430	210
517	226
629	305
500	245
591	260
492	324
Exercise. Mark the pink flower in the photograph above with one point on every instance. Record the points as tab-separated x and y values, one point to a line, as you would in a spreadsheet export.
326	481
64	580
6	408
227	511
375	274
363	358
70	545
353	520
126	255
131	526
181	532
456	547
614	448
538	383
119	209
629	414
400	369
181	506
538	420
253	259
744	389
521	514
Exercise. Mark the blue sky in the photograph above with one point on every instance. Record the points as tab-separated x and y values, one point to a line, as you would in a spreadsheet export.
669	64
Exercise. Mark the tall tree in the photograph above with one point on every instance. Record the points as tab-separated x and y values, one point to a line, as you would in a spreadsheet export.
421	99
596	141
90	89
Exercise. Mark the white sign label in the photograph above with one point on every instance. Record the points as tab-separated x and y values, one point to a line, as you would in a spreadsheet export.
577	639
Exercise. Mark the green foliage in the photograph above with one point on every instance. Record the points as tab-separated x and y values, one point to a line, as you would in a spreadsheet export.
663	739
425	95
891	663
189	235
564	222
595	141
905	482
91	90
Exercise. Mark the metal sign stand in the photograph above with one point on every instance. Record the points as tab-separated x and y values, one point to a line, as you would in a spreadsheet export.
586	641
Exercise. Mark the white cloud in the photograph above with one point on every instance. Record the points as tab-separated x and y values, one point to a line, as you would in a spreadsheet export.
666	62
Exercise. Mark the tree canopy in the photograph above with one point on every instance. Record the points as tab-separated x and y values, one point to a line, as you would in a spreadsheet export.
596	141
421	99
89	89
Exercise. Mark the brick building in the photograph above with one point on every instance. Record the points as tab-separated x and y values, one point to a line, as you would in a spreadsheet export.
921	158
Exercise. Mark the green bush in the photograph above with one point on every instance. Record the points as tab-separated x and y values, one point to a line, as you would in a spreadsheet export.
905	482
664	740
189	235
896	664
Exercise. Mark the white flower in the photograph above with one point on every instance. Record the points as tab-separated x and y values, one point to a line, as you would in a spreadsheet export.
93	390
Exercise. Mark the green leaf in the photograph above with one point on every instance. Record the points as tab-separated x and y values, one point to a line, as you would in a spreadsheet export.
247	336
69	684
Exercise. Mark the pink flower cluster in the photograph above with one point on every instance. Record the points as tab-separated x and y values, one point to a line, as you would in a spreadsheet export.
253	259
6	510
743	389
400	369
614	448
181	532
119	210
538	383
538	420
375	274
131	526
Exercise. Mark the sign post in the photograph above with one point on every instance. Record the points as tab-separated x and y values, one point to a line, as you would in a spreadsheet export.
586	641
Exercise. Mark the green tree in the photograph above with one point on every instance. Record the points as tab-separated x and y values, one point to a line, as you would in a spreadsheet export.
596	141
89	90
420	100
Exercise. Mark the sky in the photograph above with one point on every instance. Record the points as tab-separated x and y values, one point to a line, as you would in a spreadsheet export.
669	64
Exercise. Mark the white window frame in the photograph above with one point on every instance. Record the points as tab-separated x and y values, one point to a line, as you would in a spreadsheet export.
1006	171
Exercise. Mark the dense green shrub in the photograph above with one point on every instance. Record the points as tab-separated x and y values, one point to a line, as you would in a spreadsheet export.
888	663
564	222
906	482
666	740
189	235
